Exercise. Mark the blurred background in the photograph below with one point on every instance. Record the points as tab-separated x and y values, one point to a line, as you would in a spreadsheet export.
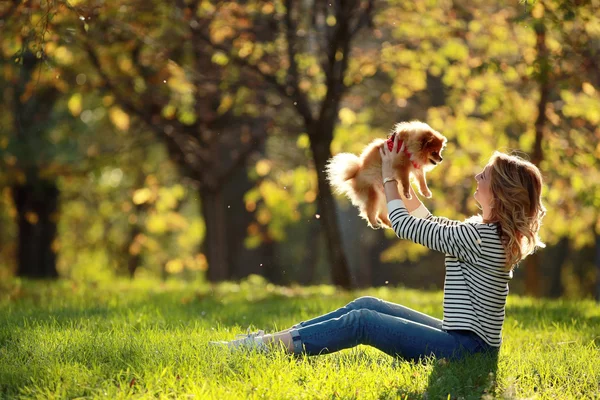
187	139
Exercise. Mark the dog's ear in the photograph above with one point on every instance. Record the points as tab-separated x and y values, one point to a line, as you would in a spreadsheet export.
427	139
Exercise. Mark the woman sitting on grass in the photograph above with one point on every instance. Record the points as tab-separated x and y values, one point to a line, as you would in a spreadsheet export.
480	256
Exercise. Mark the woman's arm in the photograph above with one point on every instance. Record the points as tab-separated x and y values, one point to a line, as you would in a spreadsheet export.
460	240
414	206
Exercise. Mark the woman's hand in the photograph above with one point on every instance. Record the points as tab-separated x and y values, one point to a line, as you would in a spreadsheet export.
388	157
391	190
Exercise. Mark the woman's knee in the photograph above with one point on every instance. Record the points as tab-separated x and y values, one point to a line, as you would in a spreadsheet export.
368	302
363	320
360	315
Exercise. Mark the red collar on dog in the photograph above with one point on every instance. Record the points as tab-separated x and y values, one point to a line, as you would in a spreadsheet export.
414	163
390	143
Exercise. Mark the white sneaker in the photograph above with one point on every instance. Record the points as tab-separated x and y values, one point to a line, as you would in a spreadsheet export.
246	341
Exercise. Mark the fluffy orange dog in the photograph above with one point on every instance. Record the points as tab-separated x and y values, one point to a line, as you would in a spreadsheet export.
359	178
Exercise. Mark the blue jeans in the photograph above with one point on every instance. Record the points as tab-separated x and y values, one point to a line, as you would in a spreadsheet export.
392	328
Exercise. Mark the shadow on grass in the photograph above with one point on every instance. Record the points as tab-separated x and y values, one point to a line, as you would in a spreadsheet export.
471	378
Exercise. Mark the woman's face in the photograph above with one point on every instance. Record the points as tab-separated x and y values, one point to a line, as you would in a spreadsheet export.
483	194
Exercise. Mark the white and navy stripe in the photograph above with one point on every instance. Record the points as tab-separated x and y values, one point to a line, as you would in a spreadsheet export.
476	282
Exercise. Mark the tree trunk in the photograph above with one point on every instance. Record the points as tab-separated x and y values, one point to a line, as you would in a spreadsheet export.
37	208
215	238
340	272
532	263
311	256
133	259
271	269
369	256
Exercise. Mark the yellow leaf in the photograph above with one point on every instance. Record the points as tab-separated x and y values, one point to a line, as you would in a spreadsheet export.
177	221
108	100
263	216
63	55
157	223
303	141
187	116
538	10
588	88
246	49
74	104
347	116
226	103
220	58
250	206
174	266
169	111
142	196
197	263
310	196
368	69
119	118
263	167
268	8
125	64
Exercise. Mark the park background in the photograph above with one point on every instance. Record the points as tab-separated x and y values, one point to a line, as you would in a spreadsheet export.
187	140
162	186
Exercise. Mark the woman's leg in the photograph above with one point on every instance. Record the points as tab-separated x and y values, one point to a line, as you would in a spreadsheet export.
381	306
392	335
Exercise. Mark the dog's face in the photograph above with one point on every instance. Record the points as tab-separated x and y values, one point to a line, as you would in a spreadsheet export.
432	144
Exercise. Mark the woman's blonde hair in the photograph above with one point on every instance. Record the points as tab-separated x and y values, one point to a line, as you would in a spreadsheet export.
516	187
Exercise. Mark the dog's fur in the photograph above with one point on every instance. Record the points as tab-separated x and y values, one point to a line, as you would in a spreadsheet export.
359	178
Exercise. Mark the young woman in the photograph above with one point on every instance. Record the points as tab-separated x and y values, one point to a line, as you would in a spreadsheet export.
480	256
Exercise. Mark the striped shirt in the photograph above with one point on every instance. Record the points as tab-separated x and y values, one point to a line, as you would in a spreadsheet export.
476	283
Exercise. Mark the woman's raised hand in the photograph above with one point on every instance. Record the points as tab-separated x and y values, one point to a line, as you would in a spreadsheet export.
389	156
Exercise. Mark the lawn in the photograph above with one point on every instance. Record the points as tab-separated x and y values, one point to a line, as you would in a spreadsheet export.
148	339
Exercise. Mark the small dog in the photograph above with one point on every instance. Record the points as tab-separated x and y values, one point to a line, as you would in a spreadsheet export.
359	178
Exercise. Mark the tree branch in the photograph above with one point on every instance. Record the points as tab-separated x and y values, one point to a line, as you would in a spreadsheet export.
540	122
175	143
366	19
336	68
293	74
270	79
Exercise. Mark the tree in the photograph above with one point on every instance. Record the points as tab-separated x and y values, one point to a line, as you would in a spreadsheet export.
532	268
311	77
209	122
31	95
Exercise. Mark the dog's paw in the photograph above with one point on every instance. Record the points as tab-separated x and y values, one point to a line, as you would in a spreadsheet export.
407	195
427	194
373	224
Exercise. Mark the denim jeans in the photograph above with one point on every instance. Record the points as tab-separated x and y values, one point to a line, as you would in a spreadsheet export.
392	328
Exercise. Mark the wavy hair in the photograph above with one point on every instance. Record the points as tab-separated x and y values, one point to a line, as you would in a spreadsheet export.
516	187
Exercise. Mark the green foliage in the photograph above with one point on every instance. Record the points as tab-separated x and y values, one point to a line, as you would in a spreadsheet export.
96	229
149	339
470	69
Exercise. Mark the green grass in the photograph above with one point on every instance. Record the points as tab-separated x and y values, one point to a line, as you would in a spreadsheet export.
148	339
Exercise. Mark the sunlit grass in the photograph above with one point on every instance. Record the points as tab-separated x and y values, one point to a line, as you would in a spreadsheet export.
148	339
